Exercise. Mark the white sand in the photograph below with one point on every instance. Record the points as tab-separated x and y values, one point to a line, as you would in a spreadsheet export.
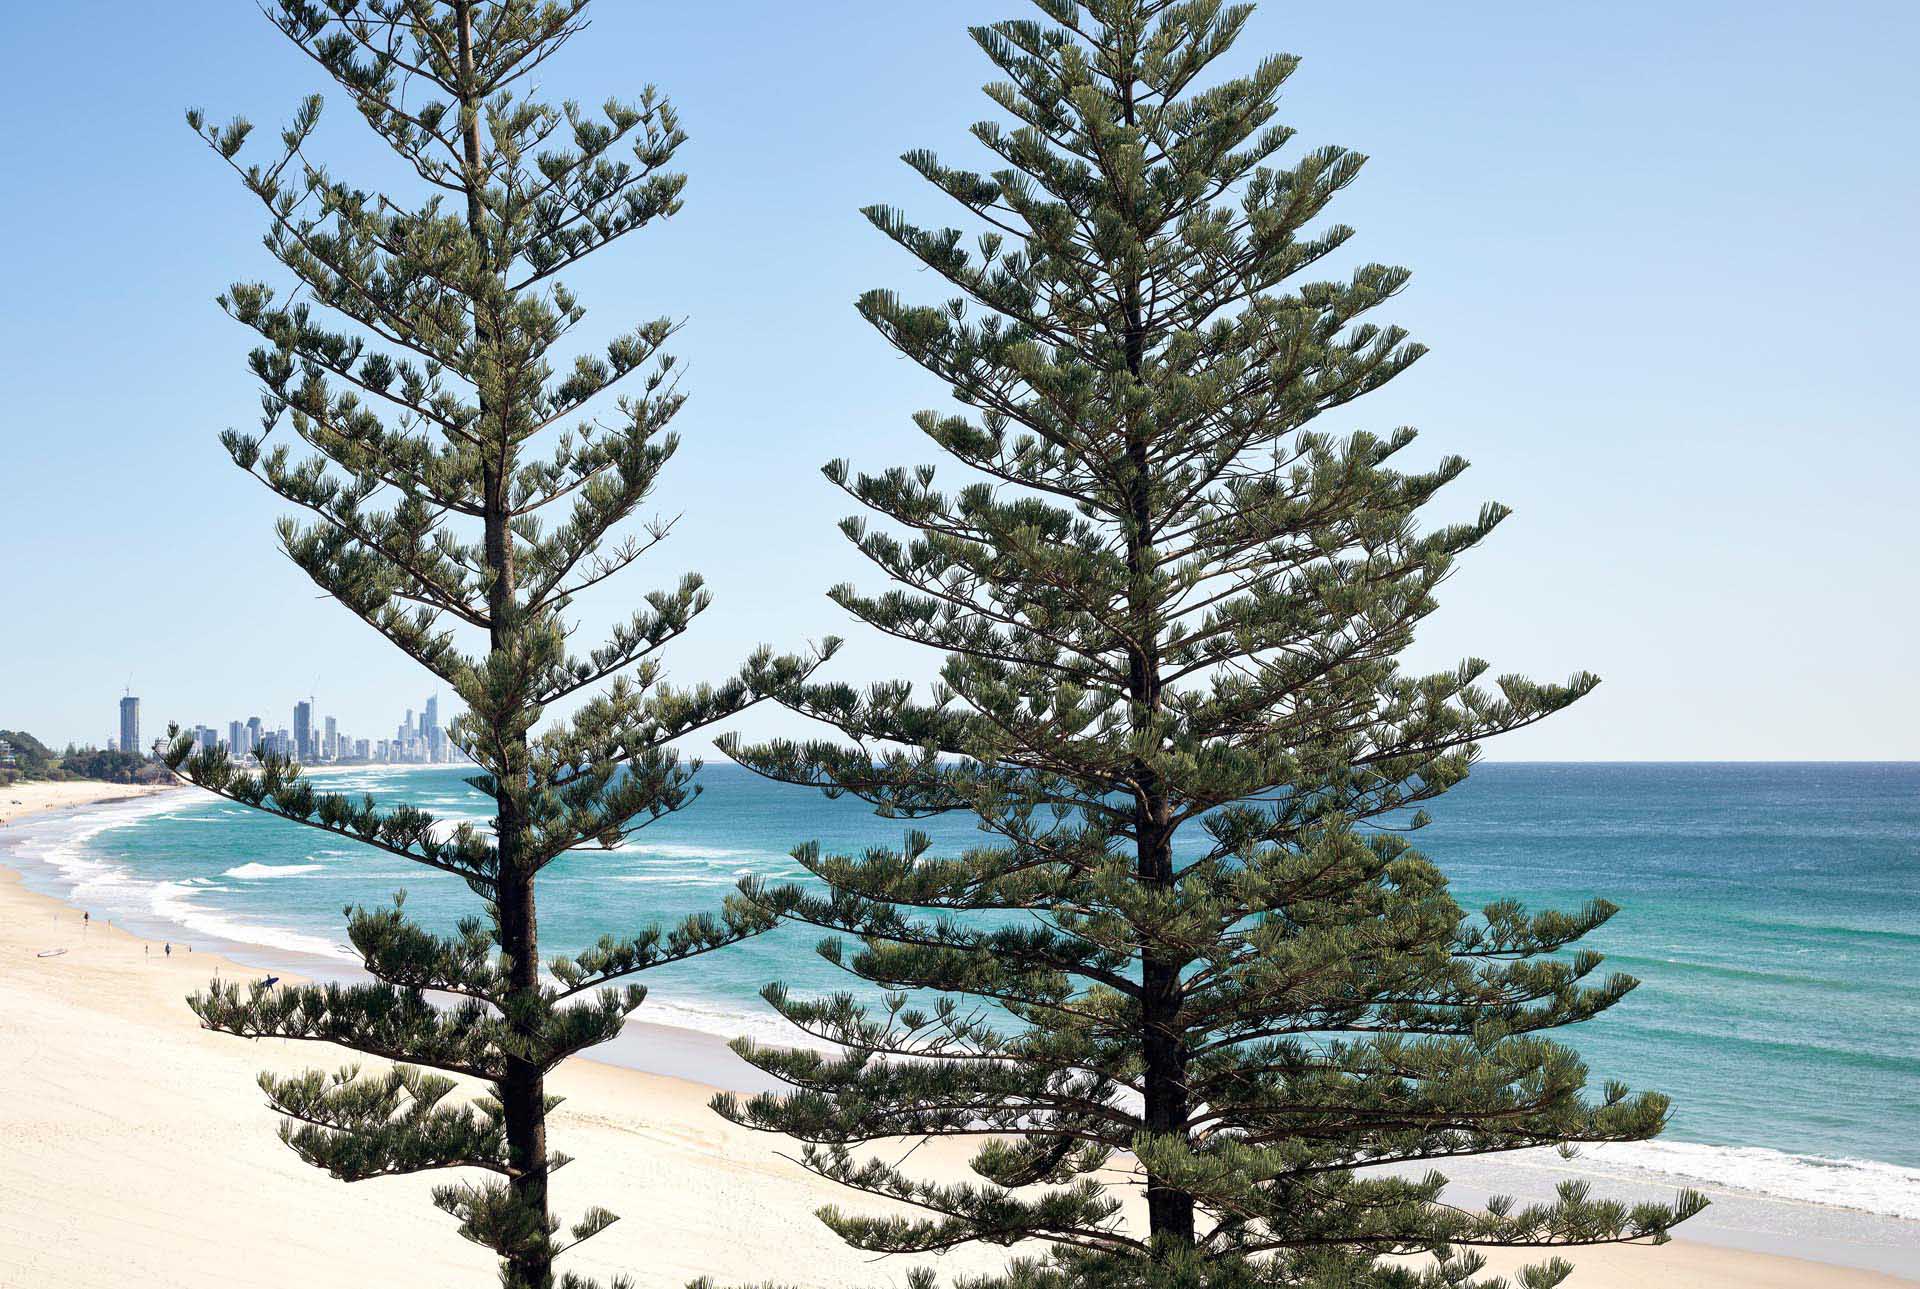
19	800
138	1152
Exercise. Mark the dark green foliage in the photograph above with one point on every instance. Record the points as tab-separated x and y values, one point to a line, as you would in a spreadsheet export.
404	385
112	767
1195	946
32	759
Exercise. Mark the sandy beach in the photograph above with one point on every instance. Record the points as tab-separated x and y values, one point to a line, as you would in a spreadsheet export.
139	1152
23	800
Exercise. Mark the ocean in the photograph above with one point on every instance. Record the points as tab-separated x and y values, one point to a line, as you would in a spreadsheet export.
1771	912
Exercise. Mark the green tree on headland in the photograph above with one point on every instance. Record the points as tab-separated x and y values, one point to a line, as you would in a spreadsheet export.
405	382
29	757
112	766
25	757
1197	946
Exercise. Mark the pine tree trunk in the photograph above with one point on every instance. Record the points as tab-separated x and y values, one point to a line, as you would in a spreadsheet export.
523	1087
1169	1211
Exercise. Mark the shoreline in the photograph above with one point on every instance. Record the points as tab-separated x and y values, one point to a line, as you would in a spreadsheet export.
30	799
639	1101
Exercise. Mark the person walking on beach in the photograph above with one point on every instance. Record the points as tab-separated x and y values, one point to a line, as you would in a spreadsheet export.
169	948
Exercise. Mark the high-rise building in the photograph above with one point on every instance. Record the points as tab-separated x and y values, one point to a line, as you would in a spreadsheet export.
236	739
303	731
255	729
130	725
333	739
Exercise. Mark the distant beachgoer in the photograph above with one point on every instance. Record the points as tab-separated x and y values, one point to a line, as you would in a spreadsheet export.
169	948
87	918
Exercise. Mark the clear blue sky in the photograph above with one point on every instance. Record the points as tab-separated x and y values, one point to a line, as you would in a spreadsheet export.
1662	254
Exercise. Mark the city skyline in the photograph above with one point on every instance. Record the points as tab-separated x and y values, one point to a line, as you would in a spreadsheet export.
415	741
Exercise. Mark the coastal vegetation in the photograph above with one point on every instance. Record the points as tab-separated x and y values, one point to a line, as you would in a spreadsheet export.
461	485
26	757
22	756
112	766
1196	959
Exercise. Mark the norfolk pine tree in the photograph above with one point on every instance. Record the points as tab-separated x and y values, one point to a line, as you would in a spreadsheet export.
1197	945
412	370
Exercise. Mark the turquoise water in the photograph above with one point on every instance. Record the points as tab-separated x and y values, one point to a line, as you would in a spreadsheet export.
1772	913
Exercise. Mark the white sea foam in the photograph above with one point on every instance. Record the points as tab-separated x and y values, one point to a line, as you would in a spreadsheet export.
65	849
173	902
1865	1184
682	879
68	850
722	1021
254	872
444	826
680	850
